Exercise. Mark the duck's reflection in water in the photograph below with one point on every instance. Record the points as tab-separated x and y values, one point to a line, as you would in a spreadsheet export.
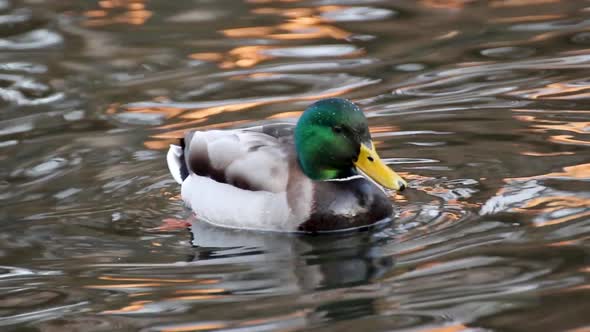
300	262
330	273
341	278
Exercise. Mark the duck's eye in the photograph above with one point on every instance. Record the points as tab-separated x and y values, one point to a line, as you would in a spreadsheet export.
337	129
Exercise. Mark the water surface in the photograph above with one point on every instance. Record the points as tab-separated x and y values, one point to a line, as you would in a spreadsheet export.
482	105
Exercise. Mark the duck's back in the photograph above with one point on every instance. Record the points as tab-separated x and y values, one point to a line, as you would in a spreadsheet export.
248	159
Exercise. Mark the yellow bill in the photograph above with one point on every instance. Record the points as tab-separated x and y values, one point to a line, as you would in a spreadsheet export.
370	164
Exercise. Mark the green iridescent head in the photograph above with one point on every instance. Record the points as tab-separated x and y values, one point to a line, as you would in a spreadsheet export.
333	141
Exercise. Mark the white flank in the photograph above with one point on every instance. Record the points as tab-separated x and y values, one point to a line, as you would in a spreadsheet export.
227	206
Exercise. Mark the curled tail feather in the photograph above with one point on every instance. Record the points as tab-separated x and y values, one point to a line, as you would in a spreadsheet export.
176	162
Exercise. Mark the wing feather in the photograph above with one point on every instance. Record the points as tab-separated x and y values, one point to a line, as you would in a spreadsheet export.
248	159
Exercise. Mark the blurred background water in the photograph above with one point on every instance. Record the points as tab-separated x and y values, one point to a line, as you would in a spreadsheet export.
482	105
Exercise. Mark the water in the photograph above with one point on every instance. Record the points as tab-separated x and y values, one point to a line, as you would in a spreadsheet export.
482	105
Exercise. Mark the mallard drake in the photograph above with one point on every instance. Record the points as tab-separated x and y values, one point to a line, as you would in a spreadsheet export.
307	177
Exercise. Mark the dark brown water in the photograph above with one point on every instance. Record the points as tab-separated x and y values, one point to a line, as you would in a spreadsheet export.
484	106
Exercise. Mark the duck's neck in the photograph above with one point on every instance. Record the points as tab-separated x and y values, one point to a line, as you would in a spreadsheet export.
315	169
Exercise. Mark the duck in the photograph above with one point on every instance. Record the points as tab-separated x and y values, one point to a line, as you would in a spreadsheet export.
320	174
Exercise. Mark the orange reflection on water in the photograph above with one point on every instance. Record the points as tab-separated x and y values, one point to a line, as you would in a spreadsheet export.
245	56
200	115
546	205
118	11
531	118
548	154
308	29
301	23
207	112
554	203
195	297
168	112
576	127
383	129
543	125
448	328
242	57
575	172
559	90
398	197
581	171
134	306
544	112
307	23
446	4
563	243
567	139
193	116
286	115
566	218
247	32
96	13
160	144
553	208
427	265
580	329
207	56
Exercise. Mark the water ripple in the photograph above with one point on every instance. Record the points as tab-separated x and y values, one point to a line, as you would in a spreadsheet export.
312	51
36	39
354	14
481	106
